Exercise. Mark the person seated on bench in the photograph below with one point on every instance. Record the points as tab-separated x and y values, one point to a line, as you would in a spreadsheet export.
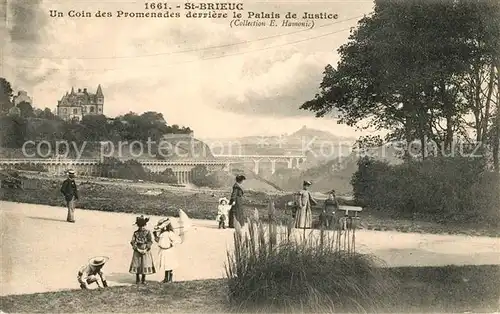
330	208
92	273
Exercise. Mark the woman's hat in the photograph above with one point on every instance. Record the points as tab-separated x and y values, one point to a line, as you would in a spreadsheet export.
141	220
223	199
98	260
307	183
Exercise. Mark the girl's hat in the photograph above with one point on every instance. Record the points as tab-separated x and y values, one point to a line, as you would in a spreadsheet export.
163	223
98	260
141	221
240	177
223	199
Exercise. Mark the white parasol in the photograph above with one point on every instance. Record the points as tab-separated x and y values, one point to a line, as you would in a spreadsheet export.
184	224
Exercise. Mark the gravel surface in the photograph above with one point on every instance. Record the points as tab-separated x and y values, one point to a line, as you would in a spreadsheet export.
42	252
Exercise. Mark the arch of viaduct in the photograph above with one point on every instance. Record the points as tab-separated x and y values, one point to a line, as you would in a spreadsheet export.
181	168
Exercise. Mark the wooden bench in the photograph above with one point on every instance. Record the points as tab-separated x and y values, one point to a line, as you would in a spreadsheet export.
348	209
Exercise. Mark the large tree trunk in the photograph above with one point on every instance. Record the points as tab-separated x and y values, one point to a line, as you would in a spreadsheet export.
486	118
448	109
477	103
496	130
407	133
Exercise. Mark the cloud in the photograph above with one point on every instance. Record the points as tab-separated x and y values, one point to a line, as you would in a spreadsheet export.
28	22
27	19
249	83
278	87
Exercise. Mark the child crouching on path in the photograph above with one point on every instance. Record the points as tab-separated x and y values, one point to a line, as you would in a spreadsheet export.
167	241
92	273
142	259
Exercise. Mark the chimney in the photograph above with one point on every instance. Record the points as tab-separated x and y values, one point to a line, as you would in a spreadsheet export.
79	90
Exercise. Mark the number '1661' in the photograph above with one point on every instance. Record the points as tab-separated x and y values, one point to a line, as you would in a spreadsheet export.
156	6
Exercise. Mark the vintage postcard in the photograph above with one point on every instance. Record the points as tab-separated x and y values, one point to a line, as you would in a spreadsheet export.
320	156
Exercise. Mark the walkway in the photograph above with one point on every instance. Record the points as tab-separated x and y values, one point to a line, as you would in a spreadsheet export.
41	252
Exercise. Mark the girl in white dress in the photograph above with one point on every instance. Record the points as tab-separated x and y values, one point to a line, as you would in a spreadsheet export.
167	241
223	212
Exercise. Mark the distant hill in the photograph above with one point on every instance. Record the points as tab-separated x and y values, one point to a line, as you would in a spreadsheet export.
325	145
310	133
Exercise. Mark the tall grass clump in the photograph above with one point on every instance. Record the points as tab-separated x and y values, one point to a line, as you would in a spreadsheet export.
270	271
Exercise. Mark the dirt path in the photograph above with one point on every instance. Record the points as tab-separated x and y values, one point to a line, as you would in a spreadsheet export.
41	252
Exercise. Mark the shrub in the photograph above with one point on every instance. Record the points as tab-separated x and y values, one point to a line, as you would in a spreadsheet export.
443	189
270	272
31	167
212	179
167	176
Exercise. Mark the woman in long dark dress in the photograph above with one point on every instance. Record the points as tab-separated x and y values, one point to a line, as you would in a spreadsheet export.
236	211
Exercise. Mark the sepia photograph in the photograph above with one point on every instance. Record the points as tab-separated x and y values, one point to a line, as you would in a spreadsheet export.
262	156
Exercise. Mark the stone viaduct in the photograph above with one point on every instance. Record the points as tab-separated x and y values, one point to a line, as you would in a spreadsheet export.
182	168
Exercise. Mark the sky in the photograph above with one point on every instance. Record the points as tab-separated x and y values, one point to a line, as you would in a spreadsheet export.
219	80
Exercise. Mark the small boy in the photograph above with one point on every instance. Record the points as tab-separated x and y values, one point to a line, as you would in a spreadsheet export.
92	273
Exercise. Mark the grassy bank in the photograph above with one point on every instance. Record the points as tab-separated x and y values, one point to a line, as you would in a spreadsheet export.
450	289
202	205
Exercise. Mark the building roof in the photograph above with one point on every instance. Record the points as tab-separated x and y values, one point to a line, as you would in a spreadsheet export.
99	91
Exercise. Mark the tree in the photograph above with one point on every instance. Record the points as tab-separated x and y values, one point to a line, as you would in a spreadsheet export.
495	130
200	174
5	96
363	143
477	85
147	126
95	128
45	114
73	131
26	109
13	131
167	176
202	177
403	70
365	178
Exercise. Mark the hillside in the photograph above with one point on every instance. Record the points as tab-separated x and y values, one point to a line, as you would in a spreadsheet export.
253	182
310	133
185	147
132	136
178	148
334	174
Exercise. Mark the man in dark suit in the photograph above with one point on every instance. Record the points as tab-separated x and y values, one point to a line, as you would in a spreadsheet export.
70	192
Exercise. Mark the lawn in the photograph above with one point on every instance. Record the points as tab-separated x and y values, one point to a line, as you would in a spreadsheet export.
451	289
